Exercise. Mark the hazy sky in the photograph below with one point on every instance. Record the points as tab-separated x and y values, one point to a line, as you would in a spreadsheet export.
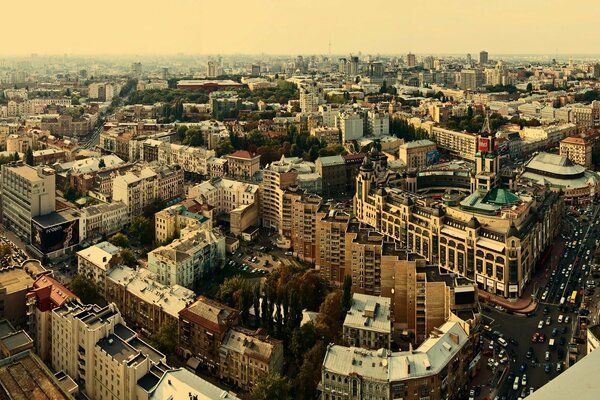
299	26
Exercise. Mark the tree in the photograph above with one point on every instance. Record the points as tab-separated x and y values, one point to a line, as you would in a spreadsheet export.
86	290
181	131
142	229
256	305
271	386
69	192
29	157
303	338
119	240
245	303
330	319
347	293
224	147
128	258
165	339
383	88
16	156
230	290
101	164
5	250
309	376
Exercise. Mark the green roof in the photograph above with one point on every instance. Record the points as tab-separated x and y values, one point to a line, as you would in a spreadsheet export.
500	197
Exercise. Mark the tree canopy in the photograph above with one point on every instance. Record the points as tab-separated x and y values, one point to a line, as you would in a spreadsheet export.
86	290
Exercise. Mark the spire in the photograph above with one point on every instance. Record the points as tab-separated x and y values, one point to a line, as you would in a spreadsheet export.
485	129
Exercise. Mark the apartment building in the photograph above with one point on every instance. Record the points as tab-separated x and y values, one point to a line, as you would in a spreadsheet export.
332	170
437	369
169	222
48	156
137	188
18	143
26	192
146	304
203	326
368	323
247	356
189	258
418	153
242	165
587	116
460	144
107	359
327	134
311	96
303	214
67	125
351	125
191	159
577	149
96	261
102	220
330	231
23	108
277	177
378	123
237	202
45	295
15	282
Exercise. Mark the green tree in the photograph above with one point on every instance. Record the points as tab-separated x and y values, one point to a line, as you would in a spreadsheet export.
142	229
120	240
309	376
181	132
245	303
165	340
347	293
224	147
303	338
128	258
230	290
69	192
271	386
101	164
86	290
29	157
330	318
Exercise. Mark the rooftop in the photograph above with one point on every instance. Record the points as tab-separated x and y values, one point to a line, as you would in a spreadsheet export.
243	154
211	314
417	143
370	313
331	160
180	384
250	344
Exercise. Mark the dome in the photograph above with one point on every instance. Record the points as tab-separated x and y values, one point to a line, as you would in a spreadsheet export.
513	231
473	223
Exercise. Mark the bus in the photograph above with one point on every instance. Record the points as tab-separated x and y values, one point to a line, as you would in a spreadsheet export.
573	297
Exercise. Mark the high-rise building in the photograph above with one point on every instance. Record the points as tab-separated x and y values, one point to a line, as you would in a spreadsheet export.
136	69
311	96
471	79
212	68
411	60
483	57
164	73
27	192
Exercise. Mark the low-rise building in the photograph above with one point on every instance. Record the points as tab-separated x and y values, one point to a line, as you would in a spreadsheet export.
96	261
169	222
189	258
146	304
247	356
368	323
102	220
577	149
327	134
203	325
418	153
242	164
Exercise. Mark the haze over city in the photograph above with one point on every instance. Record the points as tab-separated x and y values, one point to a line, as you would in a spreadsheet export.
299	27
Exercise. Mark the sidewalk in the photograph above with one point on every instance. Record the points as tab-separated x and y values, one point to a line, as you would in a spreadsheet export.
526	303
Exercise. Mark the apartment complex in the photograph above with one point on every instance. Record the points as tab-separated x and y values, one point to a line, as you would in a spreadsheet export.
247	356
368	323
102	220
190	159
327	134
332	170
577	149
96	261
460	144
438	369
189	258
169	222
203	326
45	295
26	192
242	164
330	238
146	304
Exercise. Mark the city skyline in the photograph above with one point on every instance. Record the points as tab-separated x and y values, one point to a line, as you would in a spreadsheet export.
194	27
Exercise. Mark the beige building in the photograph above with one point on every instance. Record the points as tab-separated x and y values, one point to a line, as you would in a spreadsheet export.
45	295
437	369
169	222
326	134
190	159
203	326
102	220
577	149
414	154
247	356
303	214
186	260
26	192
368	323
96	261
331	228
233	201
587	116
18	143
242	164
461	144
147	304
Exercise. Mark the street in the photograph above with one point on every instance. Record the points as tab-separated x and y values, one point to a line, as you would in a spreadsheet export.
556	301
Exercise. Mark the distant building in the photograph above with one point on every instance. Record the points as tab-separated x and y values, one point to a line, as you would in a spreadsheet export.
483	57
351	125
328	135
577	149
415	154
332	170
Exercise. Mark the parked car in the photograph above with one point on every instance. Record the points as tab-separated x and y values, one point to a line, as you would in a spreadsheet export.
541	324
547	356
523	367
516	383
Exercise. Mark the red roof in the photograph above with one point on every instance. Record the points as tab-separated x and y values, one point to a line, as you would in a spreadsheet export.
242	154
50	293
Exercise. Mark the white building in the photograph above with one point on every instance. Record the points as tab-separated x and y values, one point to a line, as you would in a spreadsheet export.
191	159
95	262
102	219
351	125
378	122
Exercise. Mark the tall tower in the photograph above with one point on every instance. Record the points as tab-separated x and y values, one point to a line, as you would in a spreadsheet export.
488	163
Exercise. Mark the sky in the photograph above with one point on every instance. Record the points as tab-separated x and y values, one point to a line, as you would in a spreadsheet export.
299	26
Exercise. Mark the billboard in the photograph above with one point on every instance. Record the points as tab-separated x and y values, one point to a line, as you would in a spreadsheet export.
484	145
432	157
49	239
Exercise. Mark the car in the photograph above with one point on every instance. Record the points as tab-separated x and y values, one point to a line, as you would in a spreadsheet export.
560	319
542	338
562	285
541	324
516	383
561	353
523	367
477	390
559	366
564	330
523	392
487	328
288	253
548	320
524	380
529	353
471	394
546	310
562	341
547	367
566	320
554	332
531	390
547	356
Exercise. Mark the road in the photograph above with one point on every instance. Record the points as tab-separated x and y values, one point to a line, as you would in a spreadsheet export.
571	273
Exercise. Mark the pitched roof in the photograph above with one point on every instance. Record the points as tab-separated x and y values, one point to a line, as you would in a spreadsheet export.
243	154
